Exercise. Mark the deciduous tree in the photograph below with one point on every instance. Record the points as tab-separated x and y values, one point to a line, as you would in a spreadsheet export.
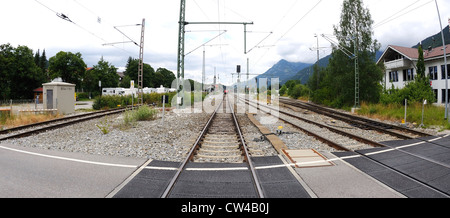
69	66
354	29
19	74
104	72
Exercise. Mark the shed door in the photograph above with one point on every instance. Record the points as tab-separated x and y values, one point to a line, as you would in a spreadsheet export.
50	99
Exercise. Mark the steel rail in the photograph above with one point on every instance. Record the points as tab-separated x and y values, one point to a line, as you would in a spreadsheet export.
191	154
60	125
321	109
318	137
374	143
6	131
348	119
361	154
357	138
247	156
196	146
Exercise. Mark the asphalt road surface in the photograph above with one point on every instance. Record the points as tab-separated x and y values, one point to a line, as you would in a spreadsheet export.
33	173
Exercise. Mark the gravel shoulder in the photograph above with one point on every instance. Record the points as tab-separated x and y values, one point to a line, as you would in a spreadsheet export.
168	141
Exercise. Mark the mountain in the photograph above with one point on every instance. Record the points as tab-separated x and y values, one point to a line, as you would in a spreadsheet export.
435	40
432	41
284	70
305	74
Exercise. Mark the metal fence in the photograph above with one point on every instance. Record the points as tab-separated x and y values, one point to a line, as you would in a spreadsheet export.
17	102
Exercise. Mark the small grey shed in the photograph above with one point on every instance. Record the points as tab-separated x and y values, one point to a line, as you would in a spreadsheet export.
59	95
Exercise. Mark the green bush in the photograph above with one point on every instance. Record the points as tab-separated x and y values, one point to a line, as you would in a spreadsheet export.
415	91
128	119
82	95
111	102
144	113
283	90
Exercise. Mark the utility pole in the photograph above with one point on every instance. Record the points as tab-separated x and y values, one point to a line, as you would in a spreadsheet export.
180	62
318	58
141	66
203	69
204	63
445	63
204	54
141	57
357	105
181	44
353	56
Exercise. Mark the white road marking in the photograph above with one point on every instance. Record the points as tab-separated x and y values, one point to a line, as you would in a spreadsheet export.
69	159
213	169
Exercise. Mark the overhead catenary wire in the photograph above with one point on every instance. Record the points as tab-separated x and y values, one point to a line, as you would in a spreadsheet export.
99	20
257	45
289	30
201	10
126	35
66	18
398	15
303	17
224	31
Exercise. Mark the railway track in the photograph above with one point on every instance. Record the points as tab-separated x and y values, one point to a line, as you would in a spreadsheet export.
36	128
324	133
220	142
368	157
360	122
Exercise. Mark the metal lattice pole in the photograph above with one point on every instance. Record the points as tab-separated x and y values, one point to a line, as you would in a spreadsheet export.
141	65
357	105
445	63
180	62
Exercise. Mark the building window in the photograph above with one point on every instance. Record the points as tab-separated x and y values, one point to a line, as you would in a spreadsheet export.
435	95
443	96
393	76
433	73
408	75
443	71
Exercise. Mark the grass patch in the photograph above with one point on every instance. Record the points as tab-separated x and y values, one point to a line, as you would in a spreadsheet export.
26	119
104	127
433	115
144	113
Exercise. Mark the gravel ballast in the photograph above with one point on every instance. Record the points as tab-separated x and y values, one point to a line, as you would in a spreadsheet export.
168	141
147	139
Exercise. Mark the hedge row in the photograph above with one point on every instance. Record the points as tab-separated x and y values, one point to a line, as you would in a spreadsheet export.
111	102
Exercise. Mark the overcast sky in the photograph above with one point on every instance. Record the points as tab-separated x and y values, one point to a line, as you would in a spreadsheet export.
287	27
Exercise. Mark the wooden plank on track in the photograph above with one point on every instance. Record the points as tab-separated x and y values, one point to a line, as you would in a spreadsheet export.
273	139
307	158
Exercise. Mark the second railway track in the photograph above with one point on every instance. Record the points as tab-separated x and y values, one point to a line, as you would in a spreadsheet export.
360	122
36	128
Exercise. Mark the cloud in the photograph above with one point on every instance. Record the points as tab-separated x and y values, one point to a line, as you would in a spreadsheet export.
31	24
296	51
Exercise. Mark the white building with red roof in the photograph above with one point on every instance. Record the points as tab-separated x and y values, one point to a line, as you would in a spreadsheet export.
400	68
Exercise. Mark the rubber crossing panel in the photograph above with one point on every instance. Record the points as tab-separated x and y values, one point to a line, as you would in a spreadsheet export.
200	180
149	183
403	179
277	182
